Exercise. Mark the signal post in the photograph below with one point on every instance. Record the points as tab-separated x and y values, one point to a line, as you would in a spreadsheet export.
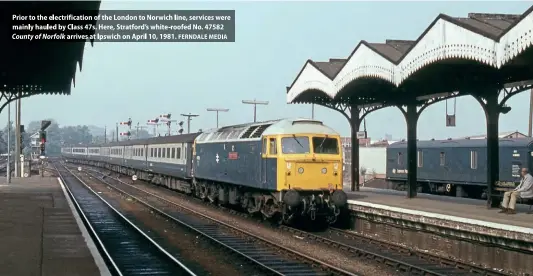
42	136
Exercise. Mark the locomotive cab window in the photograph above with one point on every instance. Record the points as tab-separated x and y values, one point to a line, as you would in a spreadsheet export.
325	145
295	145
272	146
420	158
264	150
473	159
442	158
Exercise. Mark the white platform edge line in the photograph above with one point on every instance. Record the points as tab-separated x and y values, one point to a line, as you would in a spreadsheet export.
445	217
100	263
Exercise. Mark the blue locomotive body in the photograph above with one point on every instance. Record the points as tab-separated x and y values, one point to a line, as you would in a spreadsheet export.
235	162
458	166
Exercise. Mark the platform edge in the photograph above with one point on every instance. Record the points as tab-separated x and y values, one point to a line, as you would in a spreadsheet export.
476	222
99	261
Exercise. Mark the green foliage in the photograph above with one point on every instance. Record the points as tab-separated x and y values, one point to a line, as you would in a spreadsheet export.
55	137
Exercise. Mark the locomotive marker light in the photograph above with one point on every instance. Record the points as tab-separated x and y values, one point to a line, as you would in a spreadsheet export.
300	170
134	177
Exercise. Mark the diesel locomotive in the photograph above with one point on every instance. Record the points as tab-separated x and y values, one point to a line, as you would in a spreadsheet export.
283	169
459	167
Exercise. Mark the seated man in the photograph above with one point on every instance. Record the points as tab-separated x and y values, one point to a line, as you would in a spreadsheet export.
524	190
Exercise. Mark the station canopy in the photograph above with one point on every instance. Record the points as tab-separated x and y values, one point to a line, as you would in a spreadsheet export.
39	66
452	54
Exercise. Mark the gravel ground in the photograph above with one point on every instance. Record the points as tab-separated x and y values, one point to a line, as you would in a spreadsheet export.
185	245
319	251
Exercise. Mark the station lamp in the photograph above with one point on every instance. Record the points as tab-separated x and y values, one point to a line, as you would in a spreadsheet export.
505	109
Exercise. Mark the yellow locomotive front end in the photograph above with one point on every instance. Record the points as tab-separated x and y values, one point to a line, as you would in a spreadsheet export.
310	176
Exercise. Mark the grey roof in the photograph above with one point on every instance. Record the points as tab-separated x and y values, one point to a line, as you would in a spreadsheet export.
255	131
508	142
184	138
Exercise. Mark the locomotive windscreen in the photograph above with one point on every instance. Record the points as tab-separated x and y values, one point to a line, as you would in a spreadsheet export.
325	145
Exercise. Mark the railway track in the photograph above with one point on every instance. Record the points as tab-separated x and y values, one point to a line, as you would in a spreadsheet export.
397	257
273	258
126	249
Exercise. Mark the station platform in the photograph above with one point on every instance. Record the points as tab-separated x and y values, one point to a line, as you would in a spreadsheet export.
446	226
40	234
460	210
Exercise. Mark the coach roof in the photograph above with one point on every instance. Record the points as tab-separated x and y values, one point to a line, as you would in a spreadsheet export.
466	143
183	138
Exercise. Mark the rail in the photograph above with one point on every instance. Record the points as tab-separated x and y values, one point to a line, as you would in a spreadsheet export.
126	249
258	250
392	255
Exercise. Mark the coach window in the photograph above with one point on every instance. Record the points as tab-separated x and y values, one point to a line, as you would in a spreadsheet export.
442	158
400	159
164	153
273	149
168	152
420	159
178	154
173	153
159	153
473	159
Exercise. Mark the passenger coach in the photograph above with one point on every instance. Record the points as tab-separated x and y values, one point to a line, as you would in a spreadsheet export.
458	167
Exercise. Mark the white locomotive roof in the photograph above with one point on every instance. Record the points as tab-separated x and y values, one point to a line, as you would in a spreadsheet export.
299	126
255	131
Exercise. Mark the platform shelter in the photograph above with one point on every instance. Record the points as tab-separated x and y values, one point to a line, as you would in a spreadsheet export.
486	56
39	66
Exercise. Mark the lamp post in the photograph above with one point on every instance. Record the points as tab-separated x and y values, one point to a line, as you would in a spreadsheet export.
189	118
217	110
255	103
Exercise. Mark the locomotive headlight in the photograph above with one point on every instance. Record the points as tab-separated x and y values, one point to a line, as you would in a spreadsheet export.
324	170
300	170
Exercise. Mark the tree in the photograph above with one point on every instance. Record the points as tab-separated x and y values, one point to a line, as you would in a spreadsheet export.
143	134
